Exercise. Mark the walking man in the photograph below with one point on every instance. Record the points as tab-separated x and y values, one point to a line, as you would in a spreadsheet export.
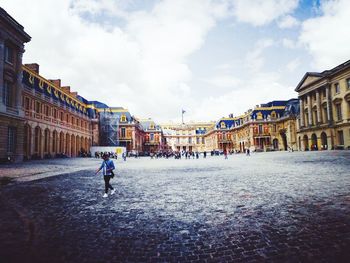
107	168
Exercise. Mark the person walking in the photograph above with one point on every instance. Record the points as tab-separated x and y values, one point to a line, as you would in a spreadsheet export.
107	168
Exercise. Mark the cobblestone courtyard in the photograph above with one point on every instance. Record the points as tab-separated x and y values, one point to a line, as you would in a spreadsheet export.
269	207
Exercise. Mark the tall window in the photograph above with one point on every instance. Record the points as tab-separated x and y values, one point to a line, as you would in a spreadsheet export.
6	94
8	54
26	103
336	88
47	110
190	140
61	115
340	138
123	132
198	140
348	83
325	114
203	140
260	129
338	109
151	137
11	139
37	107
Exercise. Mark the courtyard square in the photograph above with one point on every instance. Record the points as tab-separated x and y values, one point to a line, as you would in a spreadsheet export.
267	207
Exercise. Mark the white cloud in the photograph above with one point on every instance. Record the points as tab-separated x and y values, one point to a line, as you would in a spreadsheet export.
288	21
262	12
293	64
224	81
255	59
289	43
327	37
261	88
142	65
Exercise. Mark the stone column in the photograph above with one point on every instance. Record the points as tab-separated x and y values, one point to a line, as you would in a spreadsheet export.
2	50
318	105
301	112
329	105
309	109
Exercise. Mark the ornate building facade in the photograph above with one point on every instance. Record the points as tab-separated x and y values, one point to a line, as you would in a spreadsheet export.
324	121
186	137
153	136
12	39
57	121
270	126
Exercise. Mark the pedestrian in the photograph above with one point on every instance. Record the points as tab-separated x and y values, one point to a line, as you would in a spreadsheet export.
225	153
107	168
248	152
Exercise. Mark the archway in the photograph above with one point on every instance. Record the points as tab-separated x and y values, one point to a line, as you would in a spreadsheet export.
324	143
47	141
306	142
284	140
37	142
54	142
68	153
77	146
72	145
61	148
27	146
82	146
314	146
275	144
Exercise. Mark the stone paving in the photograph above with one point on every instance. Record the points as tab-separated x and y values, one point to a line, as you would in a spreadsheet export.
269	207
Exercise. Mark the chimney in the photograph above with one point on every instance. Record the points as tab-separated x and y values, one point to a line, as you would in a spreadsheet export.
33	66
74	94
66	89
56	82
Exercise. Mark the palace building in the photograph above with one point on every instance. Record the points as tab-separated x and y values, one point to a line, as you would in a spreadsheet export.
153	137
12	39
57	121
117	127
270	126
186	137
324	121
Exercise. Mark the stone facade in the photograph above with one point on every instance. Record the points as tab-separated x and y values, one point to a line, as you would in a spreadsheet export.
56	120
324	121
12	39
186	137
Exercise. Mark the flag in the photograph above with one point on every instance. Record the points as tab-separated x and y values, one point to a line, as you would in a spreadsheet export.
183	111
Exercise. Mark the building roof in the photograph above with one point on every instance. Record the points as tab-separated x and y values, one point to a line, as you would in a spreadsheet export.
314	77
9	20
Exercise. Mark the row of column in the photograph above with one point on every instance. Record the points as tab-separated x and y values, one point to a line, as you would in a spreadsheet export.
38	143
318	107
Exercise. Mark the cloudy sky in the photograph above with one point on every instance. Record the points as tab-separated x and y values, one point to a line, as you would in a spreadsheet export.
210	57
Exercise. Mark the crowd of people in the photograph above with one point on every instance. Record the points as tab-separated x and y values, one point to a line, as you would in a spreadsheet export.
112	155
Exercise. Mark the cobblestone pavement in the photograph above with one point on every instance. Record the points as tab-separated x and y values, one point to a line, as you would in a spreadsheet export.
33	170
270	207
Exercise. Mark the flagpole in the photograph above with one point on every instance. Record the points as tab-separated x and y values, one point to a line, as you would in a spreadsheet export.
182	112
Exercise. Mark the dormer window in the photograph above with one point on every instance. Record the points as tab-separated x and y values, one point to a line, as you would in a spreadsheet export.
259	116
273	115
223	125
123	118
